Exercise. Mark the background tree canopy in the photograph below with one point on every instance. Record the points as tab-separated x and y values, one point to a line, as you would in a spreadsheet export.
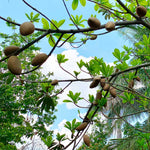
29	98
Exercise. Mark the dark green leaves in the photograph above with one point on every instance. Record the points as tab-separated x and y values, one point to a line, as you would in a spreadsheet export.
128	97
47	103
72	125
60	137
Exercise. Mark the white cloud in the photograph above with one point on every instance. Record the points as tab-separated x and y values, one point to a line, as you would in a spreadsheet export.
51	65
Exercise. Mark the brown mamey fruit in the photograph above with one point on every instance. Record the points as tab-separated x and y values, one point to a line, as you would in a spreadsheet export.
54	82
82	126
93	37
26	28
102	82
95	82
116	70
113	92
98	97
10	49
106	87
14	65
110	26
138	79
131	84
39	59
86	140
141	11
94	23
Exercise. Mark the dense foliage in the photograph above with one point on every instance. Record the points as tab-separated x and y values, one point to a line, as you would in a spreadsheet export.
29	95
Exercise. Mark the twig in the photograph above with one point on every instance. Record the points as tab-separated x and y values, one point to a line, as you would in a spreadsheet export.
48	56
40	13
70	15
67	71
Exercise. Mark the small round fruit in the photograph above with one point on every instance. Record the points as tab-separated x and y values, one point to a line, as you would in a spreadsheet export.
86	140
106	87
110	26
131	84
94	23
93	37
102	82
14	65
98	97
113	92
141	11
54	82
82	126
95	82
138	79
26	28
39	59
10	50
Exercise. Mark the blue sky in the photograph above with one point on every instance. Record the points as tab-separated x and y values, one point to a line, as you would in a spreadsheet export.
54	9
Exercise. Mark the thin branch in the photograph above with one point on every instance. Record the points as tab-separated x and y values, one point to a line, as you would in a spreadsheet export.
17	24
70	15
67	71
108	9
128	10
48	55
130	124
40	13
66	40
124	115
60	92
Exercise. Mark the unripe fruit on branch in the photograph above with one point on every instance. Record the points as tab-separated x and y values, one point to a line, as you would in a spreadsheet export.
86	140
138	79
54	82
14	65
94	23
93	37
141	11
106	87
39	59
98	97
95	82
26	28
102	82
131	84
110	26
113	92
82	126
10	50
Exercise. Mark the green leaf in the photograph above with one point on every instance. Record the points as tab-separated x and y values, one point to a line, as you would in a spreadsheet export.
45	23
51	41
60	23
27	16
76	73
67	101
83	2
75	4
10	78
116	53
61	58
